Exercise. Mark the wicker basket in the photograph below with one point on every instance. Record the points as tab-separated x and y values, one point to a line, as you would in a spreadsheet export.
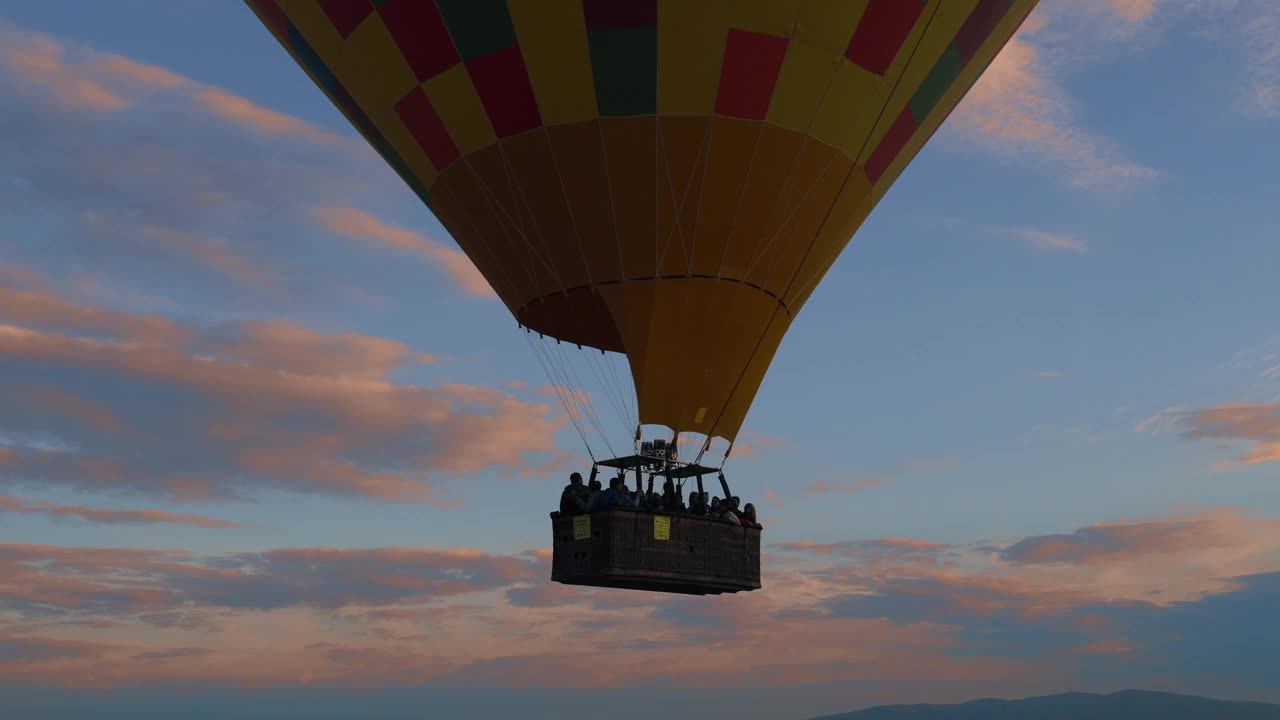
622	548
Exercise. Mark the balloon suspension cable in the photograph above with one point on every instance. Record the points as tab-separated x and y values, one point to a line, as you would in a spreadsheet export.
544	360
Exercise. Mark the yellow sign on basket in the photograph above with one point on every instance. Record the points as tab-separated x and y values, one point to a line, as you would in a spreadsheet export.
661	528
581	527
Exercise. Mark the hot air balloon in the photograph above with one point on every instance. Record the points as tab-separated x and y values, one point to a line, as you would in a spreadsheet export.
667	180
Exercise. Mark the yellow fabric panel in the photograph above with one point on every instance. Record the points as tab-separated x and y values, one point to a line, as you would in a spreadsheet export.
775	154
770	17
689	60
533	169
455	99
799	235
631	309
850	107
372	68
579	158
732	146
630	151
316	28
806	74
453	213
553	39
685	356
512	212
986	53
703	13
802	180
739	403
945	22
851	208
683	160
829	24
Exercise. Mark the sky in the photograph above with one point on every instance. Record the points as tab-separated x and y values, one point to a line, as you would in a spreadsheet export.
269	445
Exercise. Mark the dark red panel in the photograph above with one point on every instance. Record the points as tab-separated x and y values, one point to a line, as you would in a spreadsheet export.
502	81
273	17
752	62
617	14
424	123
420	33
887	151
883	28
977	28
346	15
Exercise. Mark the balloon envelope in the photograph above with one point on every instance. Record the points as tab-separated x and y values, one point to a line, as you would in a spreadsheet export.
669	179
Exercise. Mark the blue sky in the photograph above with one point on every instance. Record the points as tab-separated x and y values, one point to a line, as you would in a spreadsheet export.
1057	329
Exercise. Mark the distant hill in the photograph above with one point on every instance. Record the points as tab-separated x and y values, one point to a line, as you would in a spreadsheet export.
1125	705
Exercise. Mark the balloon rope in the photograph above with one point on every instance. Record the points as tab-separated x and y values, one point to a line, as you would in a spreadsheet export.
559	390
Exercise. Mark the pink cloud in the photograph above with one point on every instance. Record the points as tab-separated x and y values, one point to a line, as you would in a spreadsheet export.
70	405
750	443
86	80
898	610
108	516
259	119
353	223
1019	110
1255	423
216	255
830	486
292	347
376	438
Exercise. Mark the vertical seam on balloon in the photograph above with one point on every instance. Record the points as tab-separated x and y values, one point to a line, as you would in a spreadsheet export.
445	189
746	181
493	203
564	290
795	162
702	182
564	190
853	167
783	294
679	209
657	128
519	191
613	210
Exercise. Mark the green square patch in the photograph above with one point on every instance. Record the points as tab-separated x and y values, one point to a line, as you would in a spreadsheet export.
625	65
936	83
478	27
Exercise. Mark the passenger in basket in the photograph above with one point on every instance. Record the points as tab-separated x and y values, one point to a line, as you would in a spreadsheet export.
593	494
615	496
671	500
697	503
573	499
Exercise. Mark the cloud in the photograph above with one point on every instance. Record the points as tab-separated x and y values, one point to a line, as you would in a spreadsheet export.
902	610
1108	543
192	187
750	443
1257	424
830	486
1045	242
1162	421
107	516
1020	110
86	80
242	407
1048	374
353	223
